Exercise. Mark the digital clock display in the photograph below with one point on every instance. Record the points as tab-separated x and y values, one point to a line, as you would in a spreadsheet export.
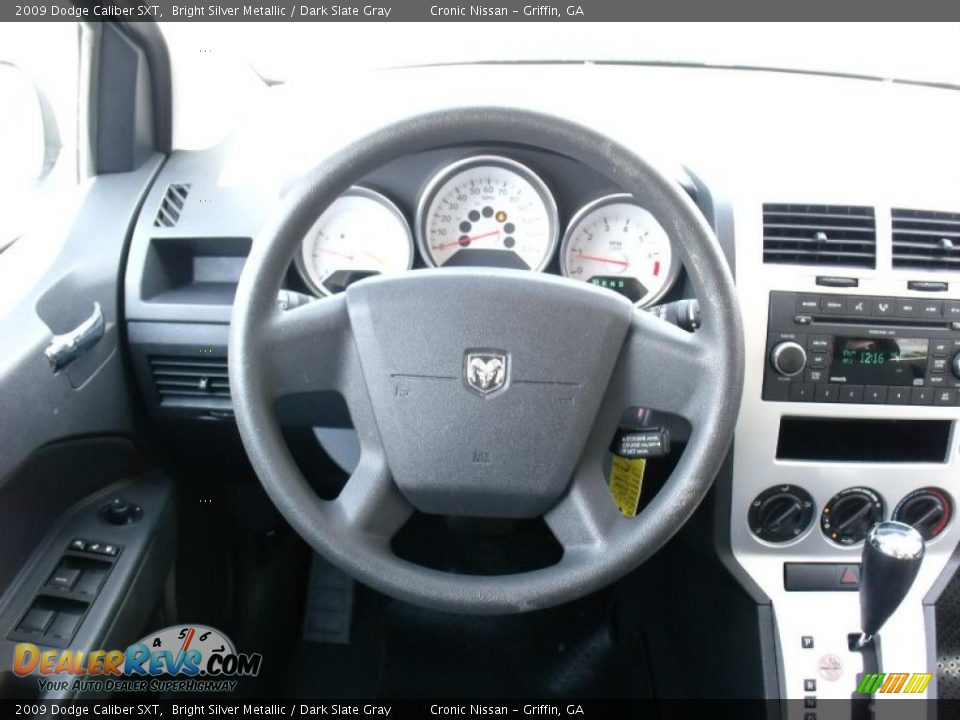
879	361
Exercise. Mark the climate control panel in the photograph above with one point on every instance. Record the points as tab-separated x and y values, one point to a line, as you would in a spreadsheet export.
782	514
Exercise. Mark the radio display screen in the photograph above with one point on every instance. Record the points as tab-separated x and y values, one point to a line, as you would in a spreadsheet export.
879	361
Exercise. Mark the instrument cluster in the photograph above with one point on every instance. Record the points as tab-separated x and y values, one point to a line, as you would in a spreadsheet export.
489	210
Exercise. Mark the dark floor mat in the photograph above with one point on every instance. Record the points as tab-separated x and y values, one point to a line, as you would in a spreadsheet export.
402	651
558	653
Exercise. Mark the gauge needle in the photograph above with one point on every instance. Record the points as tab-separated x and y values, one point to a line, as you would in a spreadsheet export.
603	259
376	258
441	246
334	252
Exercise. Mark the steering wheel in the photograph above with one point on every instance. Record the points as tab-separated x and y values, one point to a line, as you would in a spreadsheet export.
564	358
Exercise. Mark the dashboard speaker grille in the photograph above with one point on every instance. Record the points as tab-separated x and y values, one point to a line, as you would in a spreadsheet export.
191	380
840	235
926	239
168	214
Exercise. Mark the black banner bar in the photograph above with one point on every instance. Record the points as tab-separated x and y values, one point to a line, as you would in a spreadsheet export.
481	11
198	706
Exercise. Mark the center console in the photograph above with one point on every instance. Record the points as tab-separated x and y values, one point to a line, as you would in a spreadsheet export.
848	419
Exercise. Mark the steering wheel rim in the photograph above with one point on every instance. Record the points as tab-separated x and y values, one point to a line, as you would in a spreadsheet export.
698	376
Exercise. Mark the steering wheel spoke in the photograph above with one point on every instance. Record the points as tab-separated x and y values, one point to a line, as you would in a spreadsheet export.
370	503
585	519
661	368
304	349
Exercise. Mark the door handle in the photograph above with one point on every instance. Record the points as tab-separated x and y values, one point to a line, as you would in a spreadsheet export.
64	349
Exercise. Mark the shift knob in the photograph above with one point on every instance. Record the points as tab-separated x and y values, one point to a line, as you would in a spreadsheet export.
892	553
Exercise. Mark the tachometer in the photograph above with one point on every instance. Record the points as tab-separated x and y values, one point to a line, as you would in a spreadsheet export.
487	211
614	243
361	234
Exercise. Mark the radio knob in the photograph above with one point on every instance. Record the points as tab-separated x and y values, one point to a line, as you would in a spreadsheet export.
955	365
788	358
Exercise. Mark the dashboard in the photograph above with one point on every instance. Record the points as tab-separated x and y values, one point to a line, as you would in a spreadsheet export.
850	403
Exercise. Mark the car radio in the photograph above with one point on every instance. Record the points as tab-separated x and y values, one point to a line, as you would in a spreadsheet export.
859	349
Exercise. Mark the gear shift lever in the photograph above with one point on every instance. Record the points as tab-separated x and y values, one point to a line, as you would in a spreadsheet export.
892	553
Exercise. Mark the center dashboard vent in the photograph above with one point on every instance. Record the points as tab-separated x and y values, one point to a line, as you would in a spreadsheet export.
168	214
187	381
842	235
926	239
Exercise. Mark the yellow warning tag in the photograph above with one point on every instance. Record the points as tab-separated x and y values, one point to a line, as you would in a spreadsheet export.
626	481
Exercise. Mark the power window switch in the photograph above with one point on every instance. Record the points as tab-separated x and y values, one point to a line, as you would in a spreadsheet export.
36	620
78	544
65	626
64	578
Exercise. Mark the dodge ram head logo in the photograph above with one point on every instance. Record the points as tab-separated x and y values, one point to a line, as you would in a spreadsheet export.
485	371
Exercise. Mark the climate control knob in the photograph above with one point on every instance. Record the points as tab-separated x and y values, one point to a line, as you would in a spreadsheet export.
780	514
928	510
788	358
848	516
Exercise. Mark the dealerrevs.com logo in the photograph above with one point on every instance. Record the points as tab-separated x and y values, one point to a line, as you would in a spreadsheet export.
180	658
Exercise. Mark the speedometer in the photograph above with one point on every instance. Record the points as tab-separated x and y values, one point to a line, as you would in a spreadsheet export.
614	243
361	234
487	211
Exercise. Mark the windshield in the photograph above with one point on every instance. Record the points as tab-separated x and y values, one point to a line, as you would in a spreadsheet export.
919	52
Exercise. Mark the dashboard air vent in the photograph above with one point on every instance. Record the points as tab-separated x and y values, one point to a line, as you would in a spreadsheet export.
819	235
926	239
168	214
191	380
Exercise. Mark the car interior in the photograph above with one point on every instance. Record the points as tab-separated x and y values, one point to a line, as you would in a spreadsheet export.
522	377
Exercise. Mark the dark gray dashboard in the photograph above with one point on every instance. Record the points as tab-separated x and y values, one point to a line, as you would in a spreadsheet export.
195	231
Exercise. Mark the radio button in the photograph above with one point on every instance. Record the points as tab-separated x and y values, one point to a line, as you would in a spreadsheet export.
951	309
858	306
937	380
875	394
921	396
825	393
882	307
818	361
808	303
801	392
939	347
850	394
803	319
898	396
908	308
931	309
820	343
814	376
945	397
834	305
937	364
